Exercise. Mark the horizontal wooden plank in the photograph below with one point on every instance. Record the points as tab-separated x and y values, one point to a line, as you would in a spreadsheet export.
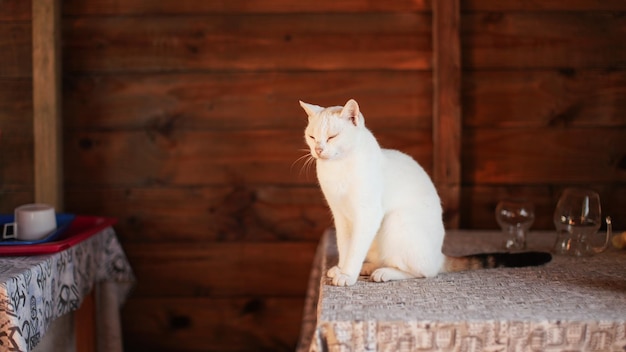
15	49
165	155
197	214
479	203
192	7
539	156
390	41
16	159
544	98
207	324
223	101
16	106
12	196
16	143
543	5
15	10
214	269
522	40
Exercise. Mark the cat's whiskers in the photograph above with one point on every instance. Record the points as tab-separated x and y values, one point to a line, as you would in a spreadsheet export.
307	162
308	154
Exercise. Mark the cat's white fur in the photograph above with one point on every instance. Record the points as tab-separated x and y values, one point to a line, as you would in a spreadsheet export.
387	213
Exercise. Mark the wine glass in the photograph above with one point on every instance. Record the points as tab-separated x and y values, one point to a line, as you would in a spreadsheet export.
577	219
515	218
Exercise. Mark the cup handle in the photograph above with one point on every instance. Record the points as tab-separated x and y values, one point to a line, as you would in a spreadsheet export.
5	231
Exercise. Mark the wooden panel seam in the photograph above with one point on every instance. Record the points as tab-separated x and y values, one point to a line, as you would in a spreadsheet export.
446	106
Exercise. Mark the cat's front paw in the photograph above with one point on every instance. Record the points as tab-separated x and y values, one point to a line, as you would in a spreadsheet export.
339	278
342	279
389	274
334	271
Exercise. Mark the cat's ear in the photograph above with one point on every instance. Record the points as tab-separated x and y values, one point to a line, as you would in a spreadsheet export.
311	109
351	112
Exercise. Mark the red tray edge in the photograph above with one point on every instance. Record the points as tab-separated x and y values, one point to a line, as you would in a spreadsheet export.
93	224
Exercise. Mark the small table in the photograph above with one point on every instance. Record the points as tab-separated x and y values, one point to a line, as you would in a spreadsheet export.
567	304
36	290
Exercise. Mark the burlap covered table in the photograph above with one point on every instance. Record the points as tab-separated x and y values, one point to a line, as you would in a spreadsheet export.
575	304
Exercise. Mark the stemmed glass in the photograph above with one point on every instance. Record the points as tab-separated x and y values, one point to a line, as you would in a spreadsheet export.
577	218
515	218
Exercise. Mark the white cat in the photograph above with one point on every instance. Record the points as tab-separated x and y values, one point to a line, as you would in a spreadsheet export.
387	213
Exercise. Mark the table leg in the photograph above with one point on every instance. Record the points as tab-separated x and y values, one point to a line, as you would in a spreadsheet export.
85	324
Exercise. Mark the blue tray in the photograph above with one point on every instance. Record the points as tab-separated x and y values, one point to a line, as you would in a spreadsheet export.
63	222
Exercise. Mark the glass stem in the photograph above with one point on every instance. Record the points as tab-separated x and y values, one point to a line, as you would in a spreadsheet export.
519	234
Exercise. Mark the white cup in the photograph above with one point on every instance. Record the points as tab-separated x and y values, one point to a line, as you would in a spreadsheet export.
32	222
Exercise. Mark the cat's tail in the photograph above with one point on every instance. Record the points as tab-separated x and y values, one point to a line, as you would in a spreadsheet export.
496	260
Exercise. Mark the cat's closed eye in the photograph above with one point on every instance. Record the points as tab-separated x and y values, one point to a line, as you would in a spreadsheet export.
327	139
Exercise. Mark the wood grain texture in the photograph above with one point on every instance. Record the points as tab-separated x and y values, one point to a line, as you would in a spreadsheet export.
525	40
16	107
15	10
211	269
544	98
212	324
15	49
392	41
165	155
543	5
447	107
193	7
544	156
16	143
244	101
13	196
47	118
16	161
205	214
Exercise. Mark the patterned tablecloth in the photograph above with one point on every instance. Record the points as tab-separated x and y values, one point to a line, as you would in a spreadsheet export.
35	290
575	304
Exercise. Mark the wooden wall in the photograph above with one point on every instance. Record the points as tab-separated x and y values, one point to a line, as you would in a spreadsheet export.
181	119
544	104
16	107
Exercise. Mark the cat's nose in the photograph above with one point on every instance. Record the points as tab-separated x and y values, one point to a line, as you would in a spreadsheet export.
319	150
